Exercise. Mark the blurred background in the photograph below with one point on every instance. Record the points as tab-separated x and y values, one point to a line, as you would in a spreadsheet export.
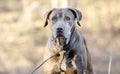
23	38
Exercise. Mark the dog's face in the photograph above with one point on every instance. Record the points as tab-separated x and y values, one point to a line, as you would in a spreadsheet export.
62	21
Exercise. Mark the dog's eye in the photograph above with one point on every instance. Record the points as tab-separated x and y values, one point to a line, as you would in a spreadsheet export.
67	18
54	18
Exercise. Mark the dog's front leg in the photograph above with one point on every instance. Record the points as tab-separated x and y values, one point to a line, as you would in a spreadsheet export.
81	64
69	56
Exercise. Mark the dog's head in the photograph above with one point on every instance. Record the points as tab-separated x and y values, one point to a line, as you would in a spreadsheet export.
62	21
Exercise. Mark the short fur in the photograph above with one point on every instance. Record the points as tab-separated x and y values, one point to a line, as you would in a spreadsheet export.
77	59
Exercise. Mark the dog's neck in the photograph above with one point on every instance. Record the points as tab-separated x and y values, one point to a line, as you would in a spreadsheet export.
74	39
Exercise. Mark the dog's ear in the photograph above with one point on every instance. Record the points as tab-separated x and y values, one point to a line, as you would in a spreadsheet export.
77	14
47	15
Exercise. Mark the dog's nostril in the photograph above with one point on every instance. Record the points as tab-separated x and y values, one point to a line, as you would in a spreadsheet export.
59	29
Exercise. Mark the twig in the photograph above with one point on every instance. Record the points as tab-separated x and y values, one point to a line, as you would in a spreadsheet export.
110	62
45	62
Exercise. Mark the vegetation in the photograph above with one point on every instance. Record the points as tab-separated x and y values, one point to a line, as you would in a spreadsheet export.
23	38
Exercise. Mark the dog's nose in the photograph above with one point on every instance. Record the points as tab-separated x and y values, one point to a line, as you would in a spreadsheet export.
59	29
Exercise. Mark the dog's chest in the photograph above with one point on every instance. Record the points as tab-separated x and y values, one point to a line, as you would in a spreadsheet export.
61	60
65	67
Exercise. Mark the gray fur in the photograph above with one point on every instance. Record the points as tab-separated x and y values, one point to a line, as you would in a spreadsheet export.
65	18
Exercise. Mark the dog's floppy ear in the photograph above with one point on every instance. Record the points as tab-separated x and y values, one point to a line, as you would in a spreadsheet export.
77	14
47	15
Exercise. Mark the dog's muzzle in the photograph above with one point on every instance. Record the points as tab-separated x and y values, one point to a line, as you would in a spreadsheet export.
60	32
60	37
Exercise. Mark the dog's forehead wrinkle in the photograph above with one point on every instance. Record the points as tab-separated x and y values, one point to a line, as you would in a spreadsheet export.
60	13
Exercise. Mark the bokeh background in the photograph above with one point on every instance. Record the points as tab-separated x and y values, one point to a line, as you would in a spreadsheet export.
23	38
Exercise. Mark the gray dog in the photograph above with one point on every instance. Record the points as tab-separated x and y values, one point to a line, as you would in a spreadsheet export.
66	37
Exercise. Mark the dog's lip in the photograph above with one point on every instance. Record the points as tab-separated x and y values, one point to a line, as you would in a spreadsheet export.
60	34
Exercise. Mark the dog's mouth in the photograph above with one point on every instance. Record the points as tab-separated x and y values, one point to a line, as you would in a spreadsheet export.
61	40
60	34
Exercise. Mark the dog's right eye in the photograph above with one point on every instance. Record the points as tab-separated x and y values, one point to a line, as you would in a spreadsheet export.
54	18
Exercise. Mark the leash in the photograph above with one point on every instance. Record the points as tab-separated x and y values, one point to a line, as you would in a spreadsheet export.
46	61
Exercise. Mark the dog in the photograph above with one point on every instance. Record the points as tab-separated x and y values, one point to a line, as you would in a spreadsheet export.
66	37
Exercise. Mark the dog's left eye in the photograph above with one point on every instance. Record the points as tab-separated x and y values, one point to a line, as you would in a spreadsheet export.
67	18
